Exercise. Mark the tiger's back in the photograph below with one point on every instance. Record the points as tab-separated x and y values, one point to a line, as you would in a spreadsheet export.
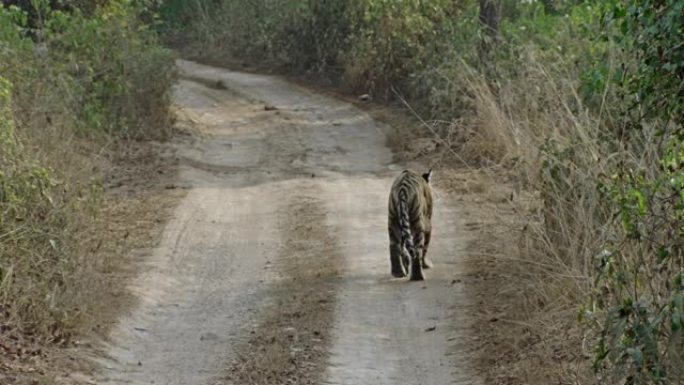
410	223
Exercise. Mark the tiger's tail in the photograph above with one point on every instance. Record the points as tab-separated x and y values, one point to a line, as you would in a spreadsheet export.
405	227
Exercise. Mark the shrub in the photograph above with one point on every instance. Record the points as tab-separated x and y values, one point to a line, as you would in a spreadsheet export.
78	75
34	232
122	74
637	302
393	41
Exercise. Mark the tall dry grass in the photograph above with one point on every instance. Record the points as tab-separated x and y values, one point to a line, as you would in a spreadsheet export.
536	128
563	153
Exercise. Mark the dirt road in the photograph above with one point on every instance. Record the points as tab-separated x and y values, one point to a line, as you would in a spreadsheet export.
275	267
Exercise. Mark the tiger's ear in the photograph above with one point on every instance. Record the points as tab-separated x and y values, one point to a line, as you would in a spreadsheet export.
428	176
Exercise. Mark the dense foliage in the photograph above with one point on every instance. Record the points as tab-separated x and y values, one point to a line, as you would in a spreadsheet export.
639	291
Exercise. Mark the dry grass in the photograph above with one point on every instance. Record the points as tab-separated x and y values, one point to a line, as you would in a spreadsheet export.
538	138
558	152
139	189
60	260
39	242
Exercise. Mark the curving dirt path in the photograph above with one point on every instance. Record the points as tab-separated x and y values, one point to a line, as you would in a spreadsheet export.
275	267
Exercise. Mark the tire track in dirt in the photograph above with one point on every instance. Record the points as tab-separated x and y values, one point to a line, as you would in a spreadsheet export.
290	344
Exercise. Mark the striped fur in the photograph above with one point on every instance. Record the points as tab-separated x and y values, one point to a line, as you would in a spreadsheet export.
410	224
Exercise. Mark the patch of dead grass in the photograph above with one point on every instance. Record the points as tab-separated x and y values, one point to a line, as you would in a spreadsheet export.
139	193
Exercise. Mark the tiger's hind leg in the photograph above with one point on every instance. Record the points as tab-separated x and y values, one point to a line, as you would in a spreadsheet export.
417	257
427	264
398	267
399	264
405	259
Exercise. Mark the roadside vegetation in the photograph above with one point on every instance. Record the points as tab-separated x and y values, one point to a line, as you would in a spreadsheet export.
578	104
76	81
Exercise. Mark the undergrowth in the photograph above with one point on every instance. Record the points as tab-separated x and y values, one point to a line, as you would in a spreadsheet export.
73	79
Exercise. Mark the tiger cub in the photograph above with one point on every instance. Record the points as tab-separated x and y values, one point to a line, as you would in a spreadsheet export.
410	224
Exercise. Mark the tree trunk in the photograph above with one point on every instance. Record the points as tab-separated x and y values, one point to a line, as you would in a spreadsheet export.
490	16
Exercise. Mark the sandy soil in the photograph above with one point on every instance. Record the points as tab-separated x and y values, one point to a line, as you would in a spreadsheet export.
274	269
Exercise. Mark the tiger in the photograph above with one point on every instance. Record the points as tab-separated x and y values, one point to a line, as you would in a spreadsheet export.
410	224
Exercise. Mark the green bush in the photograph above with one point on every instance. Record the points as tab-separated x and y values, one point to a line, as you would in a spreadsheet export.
122	74
393	41
637	303
78	75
